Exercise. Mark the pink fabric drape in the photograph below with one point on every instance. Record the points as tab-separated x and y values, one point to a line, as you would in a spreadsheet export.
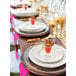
23	71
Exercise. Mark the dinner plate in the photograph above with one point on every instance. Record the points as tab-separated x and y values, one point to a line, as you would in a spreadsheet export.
17	3
28	64
24	13
54	56
37	27
58	62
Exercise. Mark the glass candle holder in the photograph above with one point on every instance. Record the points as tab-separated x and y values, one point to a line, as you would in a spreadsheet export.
25	7
48	45
32	20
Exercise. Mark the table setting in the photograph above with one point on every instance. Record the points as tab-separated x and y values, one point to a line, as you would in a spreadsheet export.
36	60
36	30
45	61
39	26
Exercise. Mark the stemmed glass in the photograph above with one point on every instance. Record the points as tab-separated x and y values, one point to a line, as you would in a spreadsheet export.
34	3
43	8
58	13
61	15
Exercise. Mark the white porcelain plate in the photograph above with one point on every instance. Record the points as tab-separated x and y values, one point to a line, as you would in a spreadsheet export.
54	62
32	28
17	3
22	12
55	55
16	24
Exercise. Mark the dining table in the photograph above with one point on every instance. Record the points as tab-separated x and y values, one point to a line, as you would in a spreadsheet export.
25	42
35	70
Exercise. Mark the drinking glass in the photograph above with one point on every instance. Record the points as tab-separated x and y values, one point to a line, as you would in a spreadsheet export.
59	16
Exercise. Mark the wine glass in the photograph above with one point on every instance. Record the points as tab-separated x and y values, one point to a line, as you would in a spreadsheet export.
52	25
43	9
59	16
